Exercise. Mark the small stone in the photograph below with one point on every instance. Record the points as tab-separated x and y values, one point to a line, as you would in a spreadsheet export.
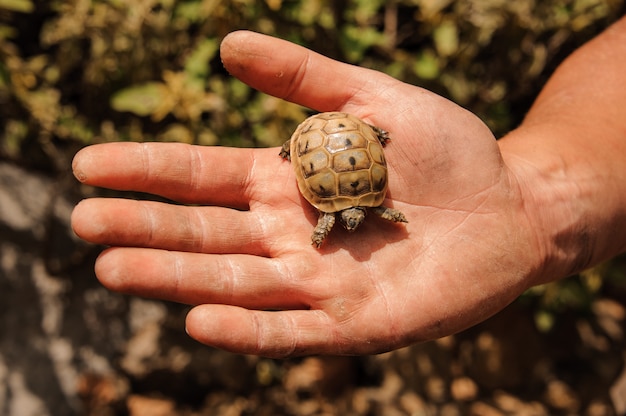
560	396
463	389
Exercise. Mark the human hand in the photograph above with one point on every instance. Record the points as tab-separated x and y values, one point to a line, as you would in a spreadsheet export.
242	252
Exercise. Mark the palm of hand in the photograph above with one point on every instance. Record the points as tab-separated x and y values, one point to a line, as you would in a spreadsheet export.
381	287
390	282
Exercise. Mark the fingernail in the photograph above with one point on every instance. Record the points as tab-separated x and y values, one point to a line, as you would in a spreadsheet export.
76	169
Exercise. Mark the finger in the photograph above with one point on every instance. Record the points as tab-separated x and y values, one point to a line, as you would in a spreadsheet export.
192	174
277	334
130	223
192	278
281	334
296	74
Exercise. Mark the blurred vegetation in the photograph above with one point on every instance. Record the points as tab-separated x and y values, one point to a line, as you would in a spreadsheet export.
85	71
77	72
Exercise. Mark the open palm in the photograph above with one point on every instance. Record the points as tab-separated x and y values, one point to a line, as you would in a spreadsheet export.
242	251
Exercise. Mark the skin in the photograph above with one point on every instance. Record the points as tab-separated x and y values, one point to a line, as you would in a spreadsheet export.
487	219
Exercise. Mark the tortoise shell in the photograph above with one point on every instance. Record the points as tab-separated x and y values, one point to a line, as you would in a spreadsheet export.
339	162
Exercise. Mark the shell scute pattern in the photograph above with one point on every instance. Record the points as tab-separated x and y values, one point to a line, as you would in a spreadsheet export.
357	159
340	124
339	162
313	163
340	169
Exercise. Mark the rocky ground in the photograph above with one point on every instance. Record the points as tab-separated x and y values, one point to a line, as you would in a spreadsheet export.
70	347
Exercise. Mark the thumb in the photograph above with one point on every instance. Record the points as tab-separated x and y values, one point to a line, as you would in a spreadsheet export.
294	73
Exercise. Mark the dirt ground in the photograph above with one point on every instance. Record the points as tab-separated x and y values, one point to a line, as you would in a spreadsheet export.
70	347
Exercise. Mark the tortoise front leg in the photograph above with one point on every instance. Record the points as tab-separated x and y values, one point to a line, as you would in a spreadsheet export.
324	224
285	151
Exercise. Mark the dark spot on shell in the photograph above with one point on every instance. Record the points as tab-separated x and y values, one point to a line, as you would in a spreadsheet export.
325	192
341	125
348	143
352	160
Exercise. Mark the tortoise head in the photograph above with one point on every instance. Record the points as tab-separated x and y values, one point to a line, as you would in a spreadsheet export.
352	217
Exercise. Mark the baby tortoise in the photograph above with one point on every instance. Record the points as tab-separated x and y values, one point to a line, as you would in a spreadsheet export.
340	167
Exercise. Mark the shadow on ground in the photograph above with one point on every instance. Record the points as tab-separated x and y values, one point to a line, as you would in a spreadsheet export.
68	346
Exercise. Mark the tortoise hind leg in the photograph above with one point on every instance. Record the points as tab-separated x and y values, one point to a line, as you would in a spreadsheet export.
389	214
324	224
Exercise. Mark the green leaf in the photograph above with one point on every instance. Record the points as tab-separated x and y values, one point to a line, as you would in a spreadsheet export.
446	38
23	6
427	65
139	99
197	64
357	40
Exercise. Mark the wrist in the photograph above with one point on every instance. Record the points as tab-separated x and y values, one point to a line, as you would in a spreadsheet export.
572	201
568	158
